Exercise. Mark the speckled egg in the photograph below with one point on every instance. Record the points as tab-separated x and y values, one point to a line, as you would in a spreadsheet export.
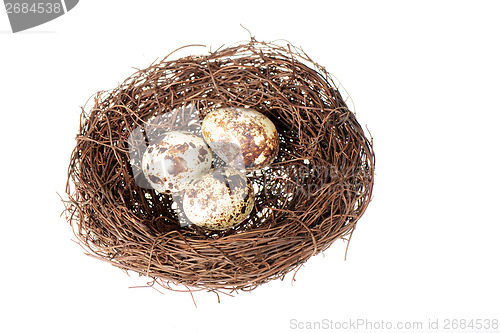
177	159
219	200
244	138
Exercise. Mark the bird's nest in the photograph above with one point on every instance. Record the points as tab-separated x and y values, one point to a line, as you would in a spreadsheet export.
313	193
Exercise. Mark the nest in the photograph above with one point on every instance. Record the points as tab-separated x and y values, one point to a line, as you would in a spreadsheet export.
314	192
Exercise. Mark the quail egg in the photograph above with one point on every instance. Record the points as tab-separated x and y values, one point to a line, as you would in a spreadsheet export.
219	200
176	160
244	138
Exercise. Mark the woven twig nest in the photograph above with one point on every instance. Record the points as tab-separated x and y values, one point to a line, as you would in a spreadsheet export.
313	193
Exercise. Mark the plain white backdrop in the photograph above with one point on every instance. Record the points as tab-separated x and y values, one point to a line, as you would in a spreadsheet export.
424	78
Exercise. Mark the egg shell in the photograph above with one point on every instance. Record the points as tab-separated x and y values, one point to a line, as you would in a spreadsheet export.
219	200
244	138
177	159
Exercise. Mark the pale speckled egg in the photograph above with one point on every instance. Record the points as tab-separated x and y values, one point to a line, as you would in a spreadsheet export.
177	159
244	138
219	200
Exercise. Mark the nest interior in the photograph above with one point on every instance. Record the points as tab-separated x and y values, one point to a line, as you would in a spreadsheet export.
314	192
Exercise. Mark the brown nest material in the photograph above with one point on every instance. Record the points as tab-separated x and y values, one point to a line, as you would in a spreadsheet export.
314	192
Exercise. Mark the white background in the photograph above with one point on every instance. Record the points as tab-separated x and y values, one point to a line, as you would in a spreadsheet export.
424	77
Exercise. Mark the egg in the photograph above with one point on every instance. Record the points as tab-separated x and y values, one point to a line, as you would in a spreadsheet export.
219	200
244	138
176	160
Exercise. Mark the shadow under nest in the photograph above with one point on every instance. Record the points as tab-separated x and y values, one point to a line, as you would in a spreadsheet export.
313	193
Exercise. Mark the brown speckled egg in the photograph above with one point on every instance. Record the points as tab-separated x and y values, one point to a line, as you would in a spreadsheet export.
243	138
219	200
177	159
